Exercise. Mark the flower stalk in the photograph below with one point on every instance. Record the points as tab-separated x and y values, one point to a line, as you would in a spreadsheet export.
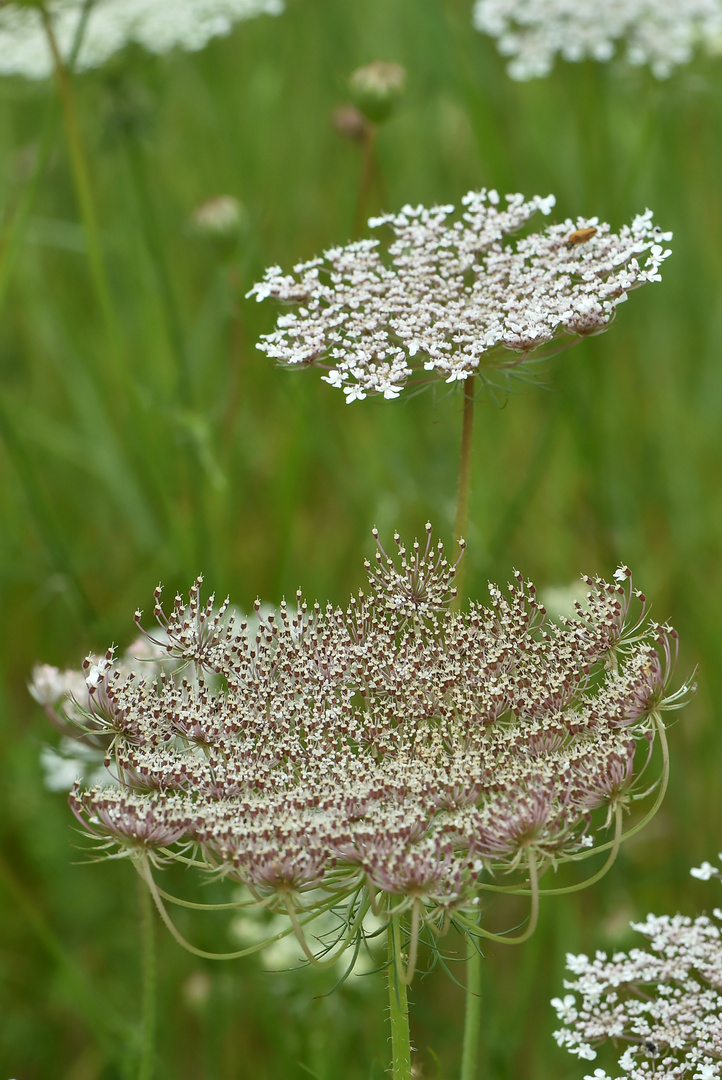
398	1003
472	1015
147	1046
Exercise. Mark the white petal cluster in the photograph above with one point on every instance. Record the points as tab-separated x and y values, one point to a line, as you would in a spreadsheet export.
662	1005
658	33
451	296
158	25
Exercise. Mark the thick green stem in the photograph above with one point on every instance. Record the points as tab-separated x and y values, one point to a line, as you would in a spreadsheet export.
398	1006
147	1042
472	1016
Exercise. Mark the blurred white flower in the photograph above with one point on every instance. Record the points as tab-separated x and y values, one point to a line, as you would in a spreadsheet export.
158	26
706	870
660	33
73	761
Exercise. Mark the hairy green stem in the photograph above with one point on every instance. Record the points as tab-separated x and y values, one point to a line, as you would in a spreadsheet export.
398	1005
147	1043
472	1016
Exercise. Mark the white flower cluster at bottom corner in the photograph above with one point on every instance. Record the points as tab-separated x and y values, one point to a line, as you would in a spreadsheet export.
665	1003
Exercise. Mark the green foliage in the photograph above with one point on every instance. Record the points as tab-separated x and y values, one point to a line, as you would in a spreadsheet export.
180	448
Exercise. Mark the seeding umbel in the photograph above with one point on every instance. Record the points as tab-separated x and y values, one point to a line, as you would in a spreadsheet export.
451	299
397	757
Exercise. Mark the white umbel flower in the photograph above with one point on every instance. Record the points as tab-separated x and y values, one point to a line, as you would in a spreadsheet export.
158	26
659	33
452	296
662	1004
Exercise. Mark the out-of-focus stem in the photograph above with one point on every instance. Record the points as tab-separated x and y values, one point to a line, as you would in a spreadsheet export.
81	177
398	1005
11	242
368	173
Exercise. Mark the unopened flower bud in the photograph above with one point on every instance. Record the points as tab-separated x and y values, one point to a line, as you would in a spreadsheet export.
376	89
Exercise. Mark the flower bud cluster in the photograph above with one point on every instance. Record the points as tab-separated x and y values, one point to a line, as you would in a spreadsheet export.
111	24
396	747
450	298
658	33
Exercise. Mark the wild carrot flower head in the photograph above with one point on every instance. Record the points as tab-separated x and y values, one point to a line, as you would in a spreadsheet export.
158	26
451	296
663	1004
395	753
658	33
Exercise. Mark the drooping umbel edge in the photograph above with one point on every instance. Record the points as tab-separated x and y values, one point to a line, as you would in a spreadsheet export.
395	758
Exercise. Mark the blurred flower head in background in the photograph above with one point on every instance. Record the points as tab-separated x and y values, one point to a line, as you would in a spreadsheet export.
394	754
449	298
158	25
662	1004
660	33
377	88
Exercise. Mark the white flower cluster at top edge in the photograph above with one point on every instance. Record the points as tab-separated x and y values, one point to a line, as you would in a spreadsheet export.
158	25
664	1004
451	296
660	33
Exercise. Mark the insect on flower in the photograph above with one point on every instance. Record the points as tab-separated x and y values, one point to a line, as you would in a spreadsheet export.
579	236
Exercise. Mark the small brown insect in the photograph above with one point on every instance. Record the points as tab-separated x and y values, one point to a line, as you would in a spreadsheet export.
580	236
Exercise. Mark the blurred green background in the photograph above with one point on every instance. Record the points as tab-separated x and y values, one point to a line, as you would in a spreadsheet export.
616	457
